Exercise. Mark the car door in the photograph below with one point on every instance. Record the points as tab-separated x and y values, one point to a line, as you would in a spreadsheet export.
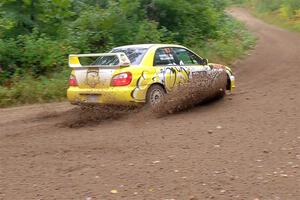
191	61
169	72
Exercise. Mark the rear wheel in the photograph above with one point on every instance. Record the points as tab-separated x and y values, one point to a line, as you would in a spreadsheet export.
155	95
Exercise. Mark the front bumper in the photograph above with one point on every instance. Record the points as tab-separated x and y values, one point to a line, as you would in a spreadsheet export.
232	82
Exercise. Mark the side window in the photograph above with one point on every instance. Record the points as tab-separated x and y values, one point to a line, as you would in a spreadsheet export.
186	57
196	59
164	56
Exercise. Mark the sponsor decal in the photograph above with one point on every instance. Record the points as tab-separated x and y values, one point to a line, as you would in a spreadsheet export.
92	77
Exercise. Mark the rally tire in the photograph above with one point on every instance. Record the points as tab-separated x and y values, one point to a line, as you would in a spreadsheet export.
155	95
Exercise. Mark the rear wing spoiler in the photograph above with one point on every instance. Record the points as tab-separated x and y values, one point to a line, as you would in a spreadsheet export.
123	60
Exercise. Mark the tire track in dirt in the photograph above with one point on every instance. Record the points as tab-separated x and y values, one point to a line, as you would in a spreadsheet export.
245	146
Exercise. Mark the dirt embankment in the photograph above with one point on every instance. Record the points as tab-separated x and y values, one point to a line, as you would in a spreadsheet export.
246	146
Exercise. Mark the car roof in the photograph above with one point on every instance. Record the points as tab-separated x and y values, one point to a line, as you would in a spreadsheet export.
147	46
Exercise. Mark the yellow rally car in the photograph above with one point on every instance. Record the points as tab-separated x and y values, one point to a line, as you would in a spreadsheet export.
134	74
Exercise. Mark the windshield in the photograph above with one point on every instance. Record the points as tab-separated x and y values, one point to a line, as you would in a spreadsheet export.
135	55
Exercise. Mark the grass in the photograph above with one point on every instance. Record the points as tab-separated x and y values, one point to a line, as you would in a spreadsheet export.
229	50
29	90
275	19
235	44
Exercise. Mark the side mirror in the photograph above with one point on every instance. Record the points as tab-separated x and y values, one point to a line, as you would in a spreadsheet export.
205	61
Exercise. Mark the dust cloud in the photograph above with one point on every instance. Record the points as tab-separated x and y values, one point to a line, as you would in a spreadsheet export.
202	88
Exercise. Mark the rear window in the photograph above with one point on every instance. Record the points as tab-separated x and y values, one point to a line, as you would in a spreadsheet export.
135	55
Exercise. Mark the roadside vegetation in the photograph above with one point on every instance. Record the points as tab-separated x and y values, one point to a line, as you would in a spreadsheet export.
283	13
36	37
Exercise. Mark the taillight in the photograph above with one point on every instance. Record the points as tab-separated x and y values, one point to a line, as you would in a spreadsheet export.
122	79
72	81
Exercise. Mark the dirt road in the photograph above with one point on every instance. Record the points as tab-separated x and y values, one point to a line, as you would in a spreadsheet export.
246	146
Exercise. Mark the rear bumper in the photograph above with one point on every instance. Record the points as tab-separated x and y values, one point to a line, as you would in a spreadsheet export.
112	95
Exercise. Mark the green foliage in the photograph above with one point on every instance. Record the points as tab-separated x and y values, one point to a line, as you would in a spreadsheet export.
36	36
26	15
233	43
27	89
35	54
286	8
285	13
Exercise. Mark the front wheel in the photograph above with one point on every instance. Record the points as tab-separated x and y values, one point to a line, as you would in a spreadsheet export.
221	85
155	95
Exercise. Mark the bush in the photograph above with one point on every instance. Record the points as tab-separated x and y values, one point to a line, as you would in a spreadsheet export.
234	41
28	89
37	36
35	54
285	13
